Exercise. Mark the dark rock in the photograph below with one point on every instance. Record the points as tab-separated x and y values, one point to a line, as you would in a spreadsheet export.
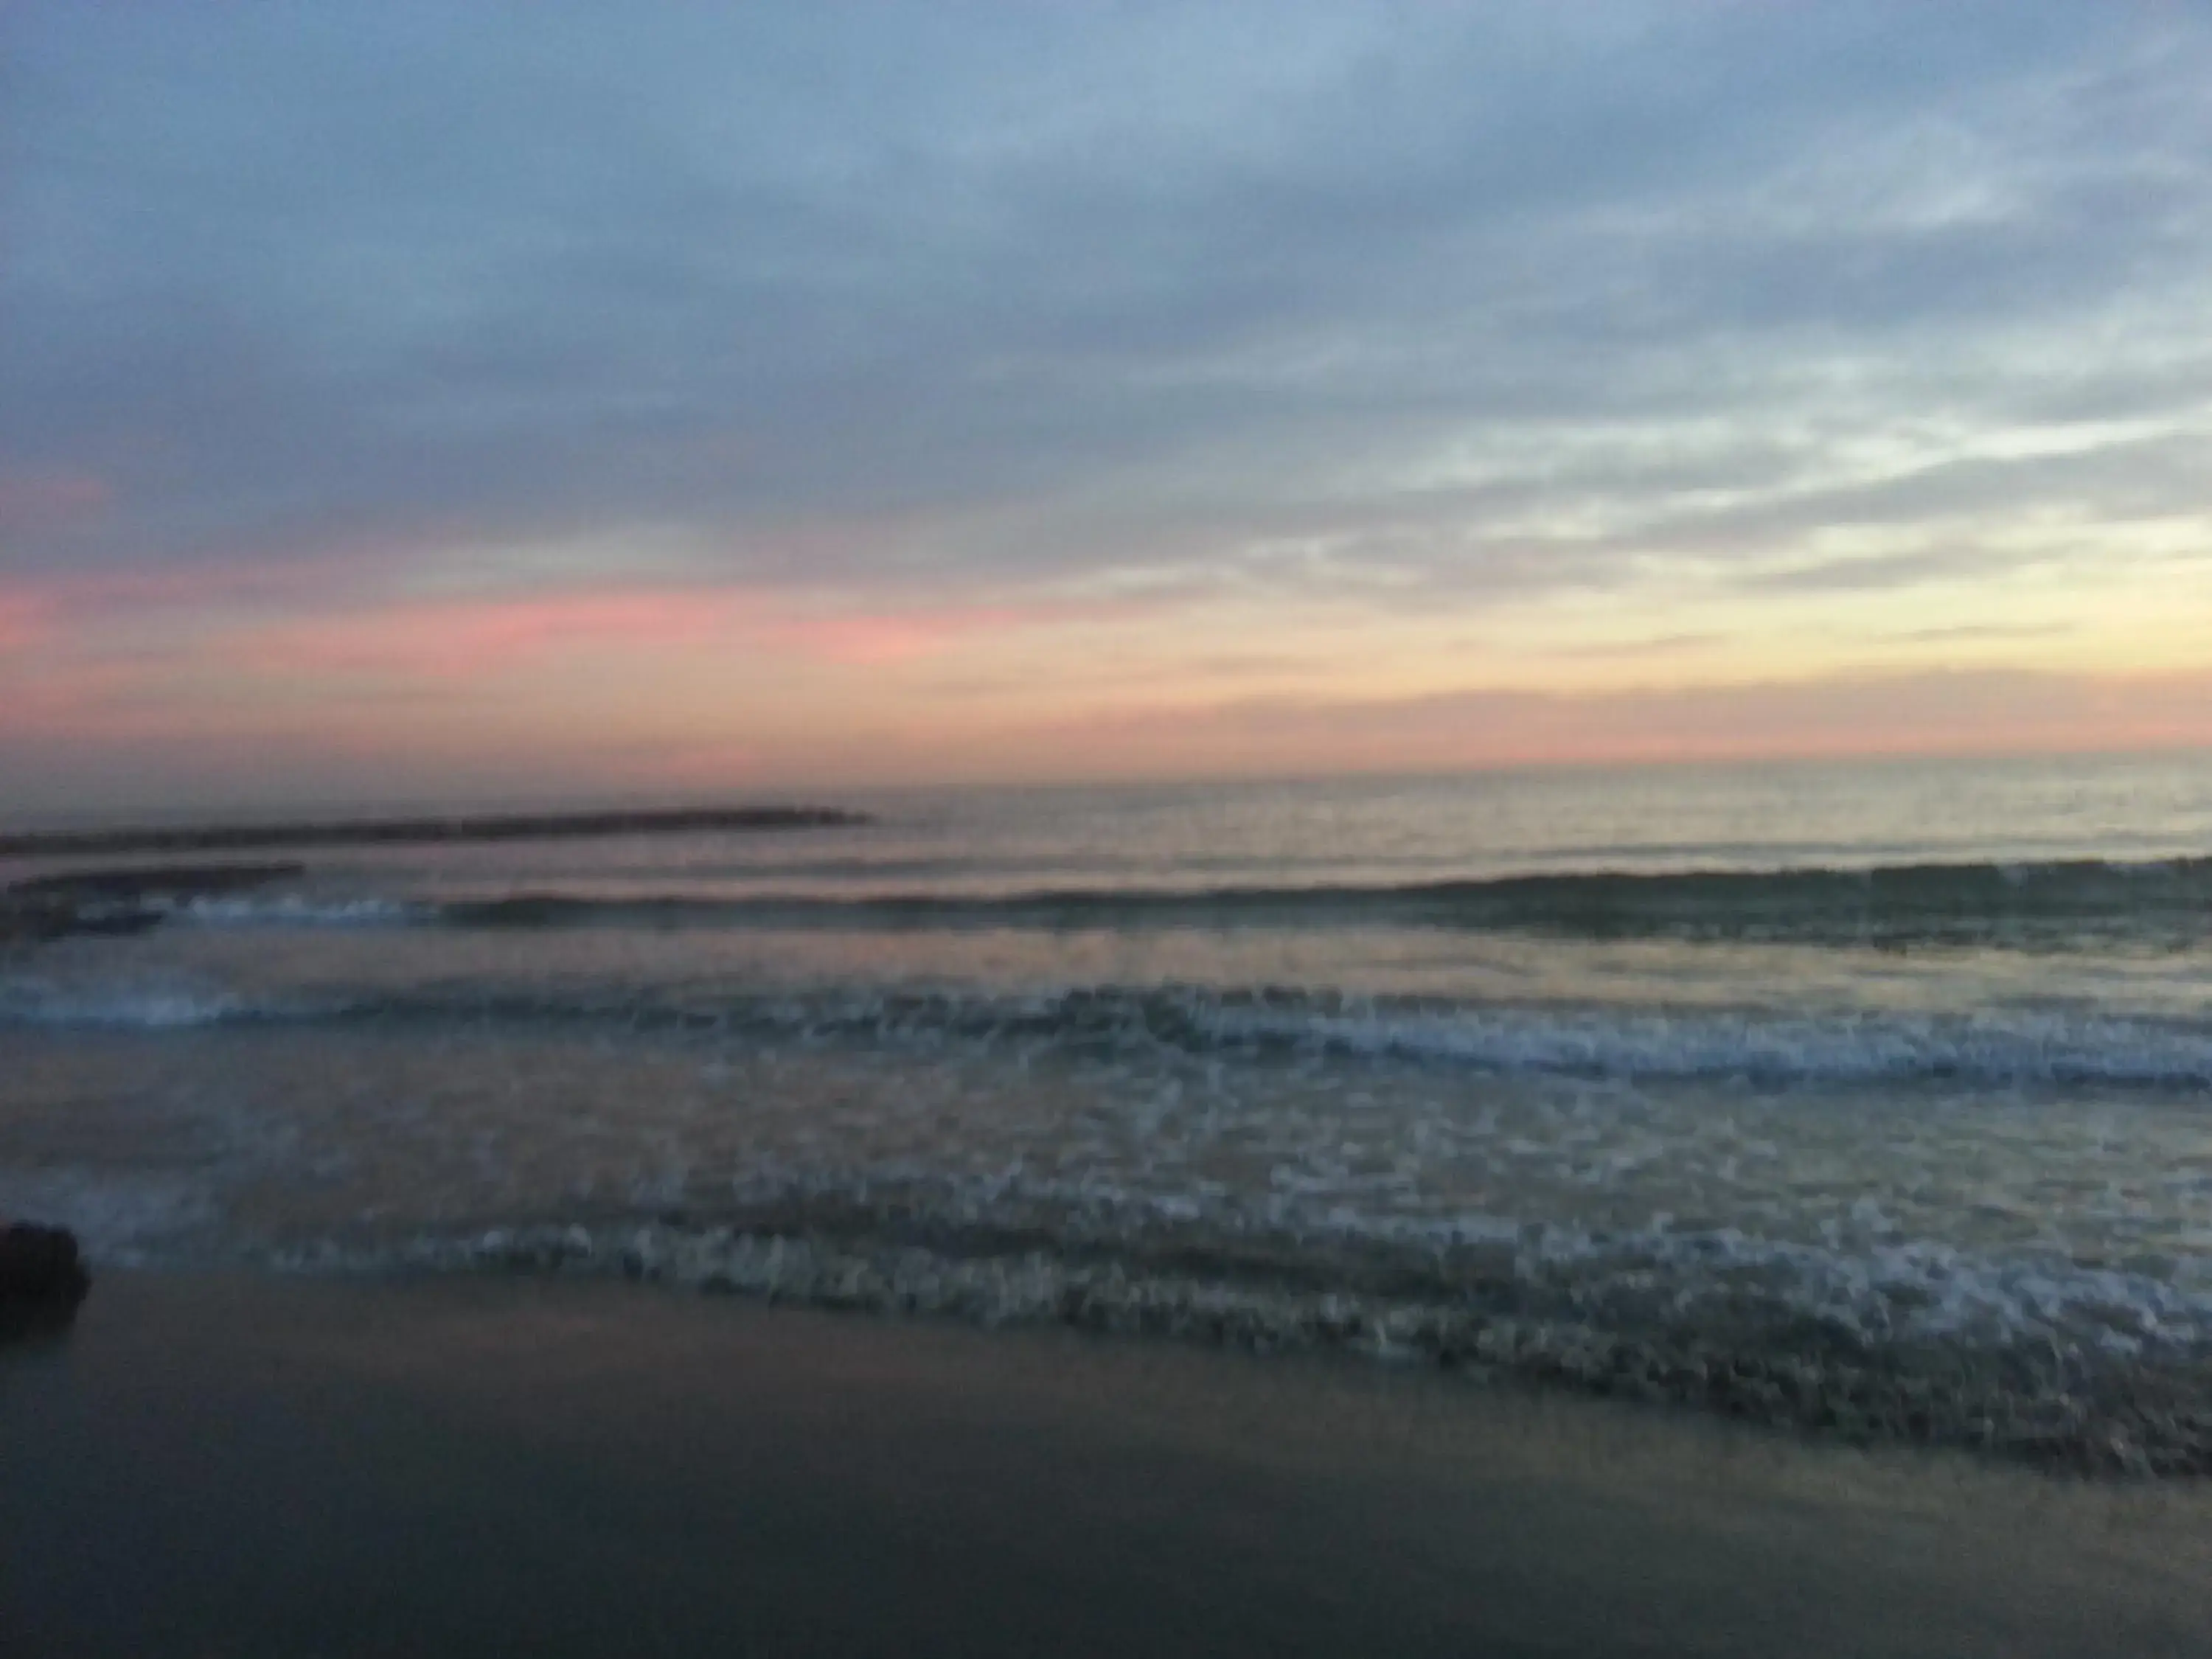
41	1263
42	1281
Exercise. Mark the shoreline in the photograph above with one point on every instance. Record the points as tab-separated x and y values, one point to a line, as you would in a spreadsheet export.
2104	1417
252	1464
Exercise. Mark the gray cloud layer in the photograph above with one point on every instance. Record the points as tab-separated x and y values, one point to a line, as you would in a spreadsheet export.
1486	298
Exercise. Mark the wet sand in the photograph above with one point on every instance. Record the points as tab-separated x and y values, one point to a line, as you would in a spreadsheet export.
215	1464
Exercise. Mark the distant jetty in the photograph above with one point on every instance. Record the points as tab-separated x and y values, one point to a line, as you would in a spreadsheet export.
387	832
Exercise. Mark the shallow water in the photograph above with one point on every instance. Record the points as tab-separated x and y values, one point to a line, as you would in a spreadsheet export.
1921	1053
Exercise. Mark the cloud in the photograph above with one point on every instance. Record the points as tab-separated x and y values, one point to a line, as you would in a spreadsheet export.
36	503
901	328
126	743
1884	571
741	272
1974	631
24	623
1658	645
1960	712
479	639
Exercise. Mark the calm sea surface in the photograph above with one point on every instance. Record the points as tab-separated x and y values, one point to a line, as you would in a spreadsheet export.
1923	1052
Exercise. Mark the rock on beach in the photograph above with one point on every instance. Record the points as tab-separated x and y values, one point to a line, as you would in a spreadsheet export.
42	1279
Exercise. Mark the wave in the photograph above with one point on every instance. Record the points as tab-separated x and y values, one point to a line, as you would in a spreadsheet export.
298	910
1995	1047
122	1010
2048	906
2025	905
2034	1357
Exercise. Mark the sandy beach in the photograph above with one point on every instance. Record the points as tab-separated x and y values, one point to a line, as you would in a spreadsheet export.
245	1465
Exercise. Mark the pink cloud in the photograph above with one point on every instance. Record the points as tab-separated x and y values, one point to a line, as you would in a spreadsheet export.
89	702
85	601
138	725
470	639
33	502
26	620
868	640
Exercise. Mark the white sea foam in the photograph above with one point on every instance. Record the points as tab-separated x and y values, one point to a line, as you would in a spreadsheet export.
2004	1048
120	1217
116	1007
1920	1293
1901	1290
1997	1047
296	910
2000	1047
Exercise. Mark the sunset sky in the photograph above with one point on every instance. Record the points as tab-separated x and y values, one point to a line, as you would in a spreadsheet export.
452	400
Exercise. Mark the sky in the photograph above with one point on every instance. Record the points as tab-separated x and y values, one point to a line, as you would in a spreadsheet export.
463	401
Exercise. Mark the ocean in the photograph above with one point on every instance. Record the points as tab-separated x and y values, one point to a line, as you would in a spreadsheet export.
1873	1097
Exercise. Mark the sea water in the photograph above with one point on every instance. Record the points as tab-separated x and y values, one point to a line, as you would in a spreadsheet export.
1909	1062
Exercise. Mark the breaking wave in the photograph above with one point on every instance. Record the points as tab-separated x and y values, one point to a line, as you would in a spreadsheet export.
297	910
2024	905
1995	1046
2036	1359
2035	906
112	1009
